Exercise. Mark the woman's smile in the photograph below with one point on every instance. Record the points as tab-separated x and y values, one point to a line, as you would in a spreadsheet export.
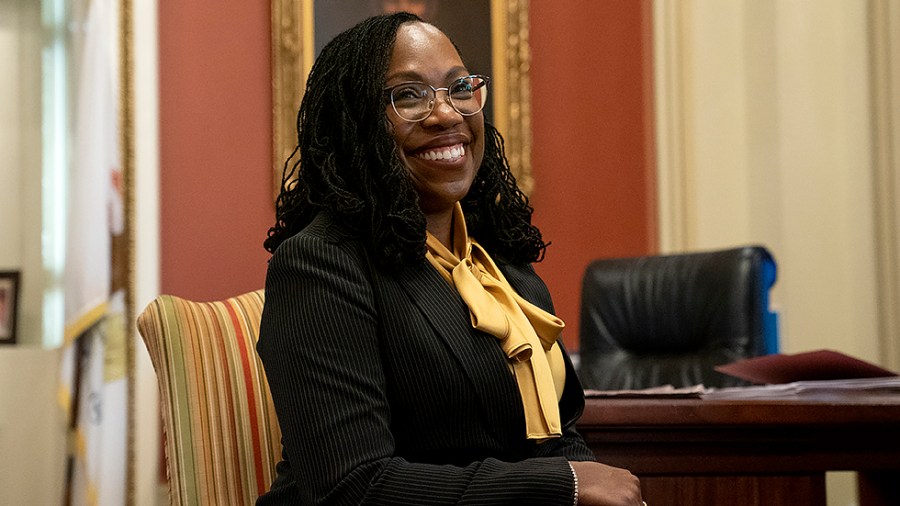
446	153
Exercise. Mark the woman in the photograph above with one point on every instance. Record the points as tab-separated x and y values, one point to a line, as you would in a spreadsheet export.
409	346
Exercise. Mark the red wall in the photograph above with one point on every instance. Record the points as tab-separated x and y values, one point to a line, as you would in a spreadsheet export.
216	146
591	76
591	107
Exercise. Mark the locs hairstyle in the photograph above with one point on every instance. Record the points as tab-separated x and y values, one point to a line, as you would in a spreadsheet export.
350	164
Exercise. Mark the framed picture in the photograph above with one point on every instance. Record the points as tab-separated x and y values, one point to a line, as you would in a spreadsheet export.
9	301
492	37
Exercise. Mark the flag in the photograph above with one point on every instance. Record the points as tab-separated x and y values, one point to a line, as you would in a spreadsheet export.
93	388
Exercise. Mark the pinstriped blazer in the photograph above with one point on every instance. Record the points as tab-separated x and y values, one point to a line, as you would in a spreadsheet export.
386	394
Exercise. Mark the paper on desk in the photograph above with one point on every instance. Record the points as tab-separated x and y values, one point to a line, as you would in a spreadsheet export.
889	385
663	391
808	366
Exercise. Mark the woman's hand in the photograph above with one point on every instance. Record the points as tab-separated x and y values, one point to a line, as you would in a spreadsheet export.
602	485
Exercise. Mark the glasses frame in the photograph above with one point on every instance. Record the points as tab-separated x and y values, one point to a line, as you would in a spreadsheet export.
389	94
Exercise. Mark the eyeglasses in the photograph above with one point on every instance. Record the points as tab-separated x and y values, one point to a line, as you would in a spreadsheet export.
414	101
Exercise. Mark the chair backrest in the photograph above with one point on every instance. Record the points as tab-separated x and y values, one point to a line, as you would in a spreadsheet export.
222	436
669	319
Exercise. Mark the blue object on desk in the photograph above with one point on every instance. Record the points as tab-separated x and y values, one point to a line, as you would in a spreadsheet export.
768	274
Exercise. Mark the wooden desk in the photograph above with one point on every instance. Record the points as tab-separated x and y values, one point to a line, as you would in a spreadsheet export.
771	452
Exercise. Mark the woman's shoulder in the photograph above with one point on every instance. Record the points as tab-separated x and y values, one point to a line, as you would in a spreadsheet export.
328	227
521	274
326	231
527	282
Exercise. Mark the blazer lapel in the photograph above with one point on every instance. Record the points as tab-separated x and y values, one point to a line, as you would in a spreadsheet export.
529	285
476	353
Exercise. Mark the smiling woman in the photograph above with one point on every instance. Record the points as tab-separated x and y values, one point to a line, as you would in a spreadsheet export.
410	347
492	37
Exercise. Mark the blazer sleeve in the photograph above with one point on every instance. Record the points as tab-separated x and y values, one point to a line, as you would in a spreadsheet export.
319	343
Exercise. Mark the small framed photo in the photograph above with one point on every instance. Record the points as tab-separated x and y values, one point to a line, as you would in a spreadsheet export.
9	302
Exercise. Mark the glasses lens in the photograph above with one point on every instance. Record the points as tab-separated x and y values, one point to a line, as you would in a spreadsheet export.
412	101
468	95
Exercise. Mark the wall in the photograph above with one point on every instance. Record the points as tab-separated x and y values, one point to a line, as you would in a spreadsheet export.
32	427
20	174
215	146
12	117
592	139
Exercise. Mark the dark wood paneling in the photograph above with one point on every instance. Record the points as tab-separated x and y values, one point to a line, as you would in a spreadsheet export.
713	452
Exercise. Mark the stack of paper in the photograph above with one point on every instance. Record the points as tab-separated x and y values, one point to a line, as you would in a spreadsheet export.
663	391
889	385
804	373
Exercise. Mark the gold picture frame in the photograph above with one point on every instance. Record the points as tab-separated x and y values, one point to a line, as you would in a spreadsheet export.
293	29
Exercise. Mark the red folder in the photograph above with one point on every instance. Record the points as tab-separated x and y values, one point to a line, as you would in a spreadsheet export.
808	366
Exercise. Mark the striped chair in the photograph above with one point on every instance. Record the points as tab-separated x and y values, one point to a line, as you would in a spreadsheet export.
222	436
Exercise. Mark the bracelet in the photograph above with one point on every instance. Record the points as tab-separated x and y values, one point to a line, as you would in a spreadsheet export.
575	481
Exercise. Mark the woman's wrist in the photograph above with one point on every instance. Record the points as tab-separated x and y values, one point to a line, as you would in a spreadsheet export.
575	483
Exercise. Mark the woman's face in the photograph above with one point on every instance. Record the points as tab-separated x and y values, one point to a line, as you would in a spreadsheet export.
422	53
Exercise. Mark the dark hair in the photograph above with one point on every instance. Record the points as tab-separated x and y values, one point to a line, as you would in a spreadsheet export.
350	164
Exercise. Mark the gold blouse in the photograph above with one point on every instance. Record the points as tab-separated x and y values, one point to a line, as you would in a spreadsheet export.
520	327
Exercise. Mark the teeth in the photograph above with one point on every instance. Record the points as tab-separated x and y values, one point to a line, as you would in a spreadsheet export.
448	153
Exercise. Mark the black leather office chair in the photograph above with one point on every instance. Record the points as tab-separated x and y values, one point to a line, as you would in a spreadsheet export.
669	319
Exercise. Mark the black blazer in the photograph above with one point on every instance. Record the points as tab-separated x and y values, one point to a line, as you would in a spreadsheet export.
386	394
